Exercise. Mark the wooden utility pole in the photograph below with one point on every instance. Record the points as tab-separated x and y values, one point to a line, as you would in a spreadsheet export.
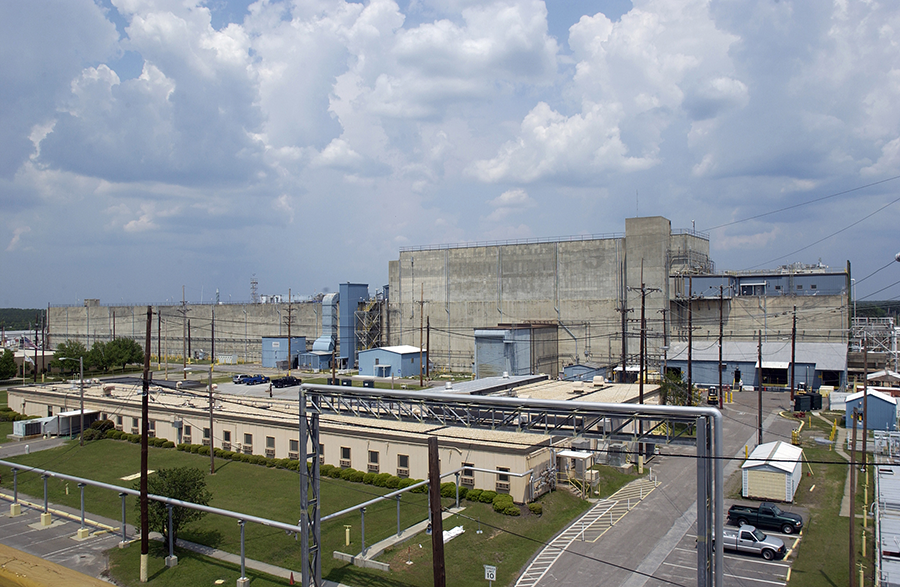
437	521
759	386
158	340
624	312
145	414
421	330
183	334
793	354
427	347
37	320
290	319
721	335
690	379
852	474
212	336
865	414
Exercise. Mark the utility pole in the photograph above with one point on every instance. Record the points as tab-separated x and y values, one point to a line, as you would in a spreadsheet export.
793	353
290	319
189	352
721	335
865	414
36	323
212	336
437	521
158	340
690	378
759	387
183	334
852	474
427	347
145	412
624	311
421	323
114	325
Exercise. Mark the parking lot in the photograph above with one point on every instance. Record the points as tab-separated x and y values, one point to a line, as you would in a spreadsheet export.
681	564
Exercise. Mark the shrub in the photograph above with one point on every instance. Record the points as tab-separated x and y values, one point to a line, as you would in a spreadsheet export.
405	482
283	463
448	489
134	438
463	491
203	450
157	442
474	494
168	444
336	473
501	502
420	489
325	470
113	434
536	508
512	510
487	496
293	465
183	446
357	476
92	434
218	452
345	473
381	479
245	458
195	448
103	425
393	482
369	478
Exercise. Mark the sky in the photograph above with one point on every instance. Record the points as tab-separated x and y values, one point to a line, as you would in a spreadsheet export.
150	145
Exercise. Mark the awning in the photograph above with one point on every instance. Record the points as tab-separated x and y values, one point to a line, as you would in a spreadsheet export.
774	364
574	454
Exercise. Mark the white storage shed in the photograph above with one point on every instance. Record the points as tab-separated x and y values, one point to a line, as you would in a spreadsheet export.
772	472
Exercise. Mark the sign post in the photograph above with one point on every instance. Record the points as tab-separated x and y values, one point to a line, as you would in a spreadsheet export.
490	574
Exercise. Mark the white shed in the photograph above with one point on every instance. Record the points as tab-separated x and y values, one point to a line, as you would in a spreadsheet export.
772	472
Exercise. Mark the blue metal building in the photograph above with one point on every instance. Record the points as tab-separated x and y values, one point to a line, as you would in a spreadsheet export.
583	371
390	361
522	349
882	414
275	348
351	295
323	347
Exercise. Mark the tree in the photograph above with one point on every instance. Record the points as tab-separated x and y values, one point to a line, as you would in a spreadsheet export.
123	351
8	368
96	357
71	349
184	483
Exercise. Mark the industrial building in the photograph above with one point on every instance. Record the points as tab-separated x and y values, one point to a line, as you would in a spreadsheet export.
595	290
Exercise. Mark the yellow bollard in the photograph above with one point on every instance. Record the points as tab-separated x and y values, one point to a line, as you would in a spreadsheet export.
347	535
746	452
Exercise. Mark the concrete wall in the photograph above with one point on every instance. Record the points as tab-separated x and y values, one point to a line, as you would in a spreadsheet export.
239	328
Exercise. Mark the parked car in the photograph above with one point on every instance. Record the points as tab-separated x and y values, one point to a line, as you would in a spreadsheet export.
239	378
256	379
754	541
287	381
767	515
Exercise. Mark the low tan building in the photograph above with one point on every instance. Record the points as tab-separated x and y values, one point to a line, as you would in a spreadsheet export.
521	464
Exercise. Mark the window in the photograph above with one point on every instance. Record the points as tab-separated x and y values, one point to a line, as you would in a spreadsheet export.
345	456
294	445
468	475
248	439
403	461
187	430
151	425
373	461
270	442
118	420
813	286
377	361
226	434
49	411
501	477
321	454
134	422
799	286
777	288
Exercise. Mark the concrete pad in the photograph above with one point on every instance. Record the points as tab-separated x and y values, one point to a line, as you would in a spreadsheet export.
83	534
46	519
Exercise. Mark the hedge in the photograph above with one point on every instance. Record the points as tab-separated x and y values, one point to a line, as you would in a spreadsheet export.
536	508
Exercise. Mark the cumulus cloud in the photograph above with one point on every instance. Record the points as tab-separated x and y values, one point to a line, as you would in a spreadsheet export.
17	237
508	203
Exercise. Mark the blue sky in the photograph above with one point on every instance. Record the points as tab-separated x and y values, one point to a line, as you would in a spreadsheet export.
150	144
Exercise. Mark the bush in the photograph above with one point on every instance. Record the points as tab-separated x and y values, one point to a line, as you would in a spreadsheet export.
293	465
245	458
194	448
203	450
168	444
325	470
420	489
381	479
474	494
134	438
345	473
92	434
103	425
283	463
463	491
114	434
501	502
512	510
487	496
219	453
536	508
369	478
448	489
357	477
271	462
405	482
183	446
336	473
393	482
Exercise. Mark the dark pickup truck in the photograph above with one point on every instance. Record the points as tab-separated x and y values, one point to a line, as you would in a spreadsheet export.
767	515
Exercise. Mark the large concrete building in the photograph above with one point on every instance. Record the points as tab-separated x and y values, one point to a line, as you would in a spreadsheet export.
591	289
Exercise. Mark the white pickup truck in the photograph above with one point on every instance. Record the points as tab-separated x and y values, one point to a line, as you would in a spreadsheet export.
754	541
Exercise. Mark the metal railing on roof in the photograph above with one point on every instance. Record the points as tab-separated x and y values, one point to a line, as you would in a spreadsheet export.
519	241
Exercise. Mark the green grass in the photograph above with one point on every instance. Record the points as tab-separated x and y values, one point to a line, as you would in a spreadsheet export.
274	494
610	479
5	428
822	553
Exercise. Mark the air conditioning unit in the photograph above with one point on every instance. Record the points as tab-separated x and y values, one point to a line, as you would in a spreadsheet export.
270	453
135	430
469	481
226	445
502	486
402	472
294	455
247	449
373	467
151	434
345	463
205	442
186	439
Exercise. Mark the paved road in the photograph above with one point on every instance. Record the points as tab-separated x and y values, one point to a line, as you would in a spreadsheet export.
650	532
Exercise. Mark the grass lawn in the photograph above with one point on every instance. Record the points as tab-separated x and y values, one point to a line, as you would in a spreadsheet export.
274	493
822	554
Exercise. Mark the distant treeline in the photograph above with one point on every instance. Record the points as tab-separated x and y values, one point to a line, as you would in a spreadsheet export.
882	309
20	318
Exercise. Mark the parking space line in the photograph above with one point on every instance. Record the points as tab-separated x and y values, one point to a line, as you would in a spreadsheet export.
743	578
